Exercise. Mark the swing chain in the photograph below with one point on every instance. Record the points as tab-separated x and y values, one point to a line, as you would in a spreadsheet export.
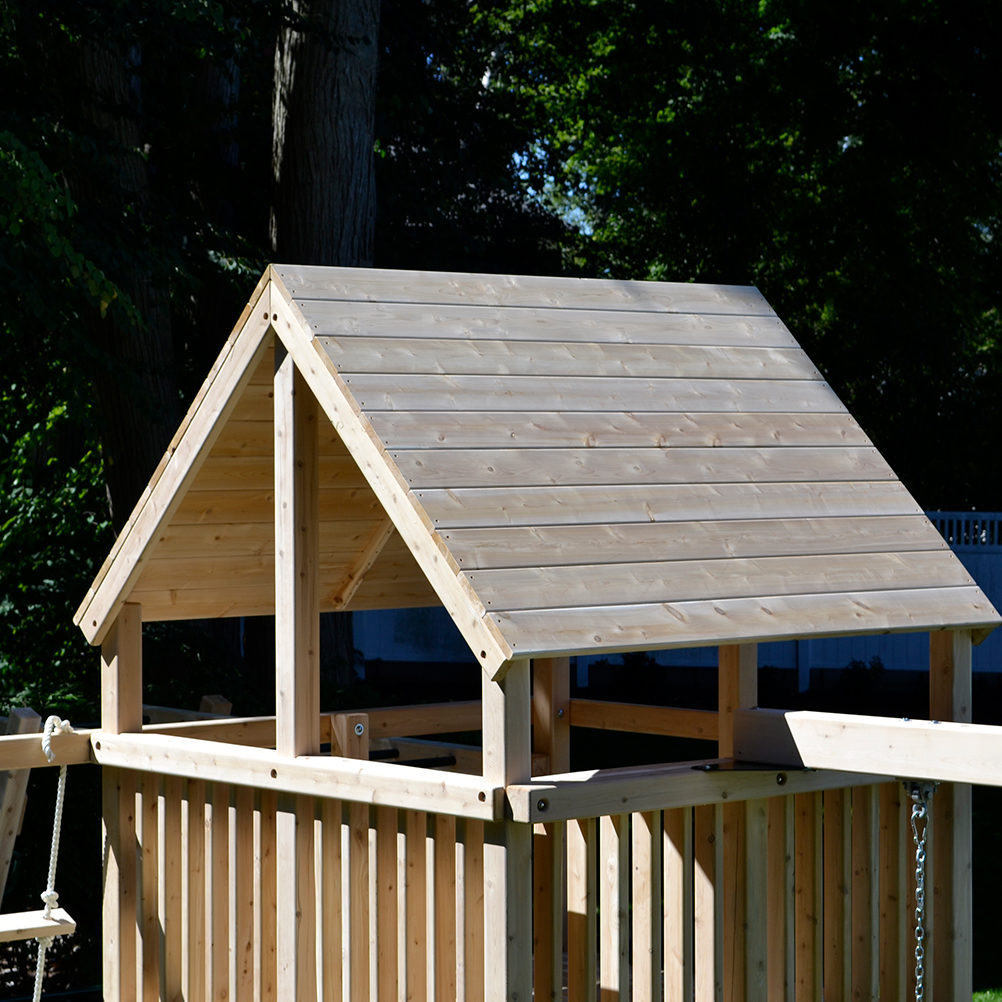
921	794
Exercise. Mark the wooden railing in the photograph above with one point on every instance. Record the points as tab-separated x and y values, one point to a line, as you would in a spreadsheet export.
393	900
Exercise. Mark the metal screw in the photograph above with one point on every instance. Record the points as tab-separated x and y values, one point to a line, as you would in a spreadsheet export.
542	804
781	779
359	729
560	713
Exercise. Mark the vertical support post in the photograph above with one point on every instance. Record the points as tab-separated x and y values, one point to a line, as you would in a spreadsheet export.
297	654
507	844
737	688
550	737
950	949
121	712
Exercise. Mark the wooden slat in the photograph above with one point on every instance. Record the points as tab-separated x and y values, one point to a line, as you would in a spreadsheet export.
808	909
179	542
582	909
257	473
591	394
120	885
331	900
837	901
416	833
704	918
778	901
677	950
865	877
173	904
547	910
445	908
538	633
647	832
196	954
149	899
386	902
682	503
427	469
239	505
735	903
256	438
244	865
450	356
525	546
473	910
890	891
218	888
607	324
683	581
756	900
310	282
268	950
553	429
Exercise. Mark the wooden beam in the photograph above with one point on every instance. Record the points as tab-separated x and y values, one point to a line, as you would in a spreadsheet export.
312	775
737	689
672	721
508	844
950	948
650	788
884	746
13	789
122	672
355	575
297	608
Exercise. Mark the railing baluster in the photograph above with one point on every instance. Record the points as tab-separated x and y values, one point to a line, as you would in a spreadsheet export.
582	898
647	838
704	912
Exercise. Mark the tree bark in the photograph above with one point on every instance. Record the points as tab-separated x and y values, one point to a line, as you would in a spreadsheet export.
324	198
324	202
136	386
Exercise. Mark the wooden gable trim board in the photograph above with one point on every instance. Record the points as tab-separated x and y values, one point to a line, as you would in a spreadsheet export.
188	450
399	502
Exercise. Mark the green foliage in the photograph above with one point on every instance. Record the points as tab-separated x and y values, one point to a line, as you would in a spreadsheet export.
843	157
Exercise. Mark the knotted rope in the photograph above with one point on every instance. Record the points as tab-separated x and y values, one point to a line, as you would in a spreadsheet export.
53	725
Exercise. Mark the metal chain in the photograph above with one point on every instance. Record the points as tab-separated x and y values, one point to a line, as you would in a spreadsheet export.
921	794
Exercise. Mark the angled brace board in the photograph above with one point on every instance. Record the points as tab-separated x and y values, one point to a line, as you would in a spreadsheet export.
399	502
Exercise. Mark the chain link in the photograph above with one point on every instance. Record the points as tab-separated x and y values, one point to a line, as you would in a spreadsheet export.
921	794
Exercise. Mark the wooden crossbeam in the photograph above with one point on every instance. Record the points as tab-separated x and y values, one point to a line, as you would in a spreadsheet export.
895	746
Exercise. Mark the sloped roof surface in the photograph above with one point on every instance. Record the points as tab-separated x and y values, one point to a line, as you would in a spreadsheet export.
600	465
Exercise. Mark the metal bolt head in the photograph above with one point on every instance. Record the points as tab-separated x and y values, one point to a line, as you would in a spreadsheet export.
781	779
560	713
359	729
542	804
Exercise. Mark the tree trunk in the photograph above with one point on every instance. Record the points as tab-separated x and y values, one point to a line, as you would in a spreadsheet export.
136	386
324	204
324	200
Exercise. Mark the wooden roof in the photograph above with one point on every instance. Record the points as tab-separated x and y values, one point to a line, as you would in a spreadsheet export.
567	465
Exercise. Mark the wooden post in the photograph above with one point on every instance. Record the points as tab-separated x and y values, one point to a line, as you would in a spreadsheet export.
297	676
757	894
648	835
950	946
416	919
614	907
550	737
582	912
507	844
473	909
121	712
678	905
865	868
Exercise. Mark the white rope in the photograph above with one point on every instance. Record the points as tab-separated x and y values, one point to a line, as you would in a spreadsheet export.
54	725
